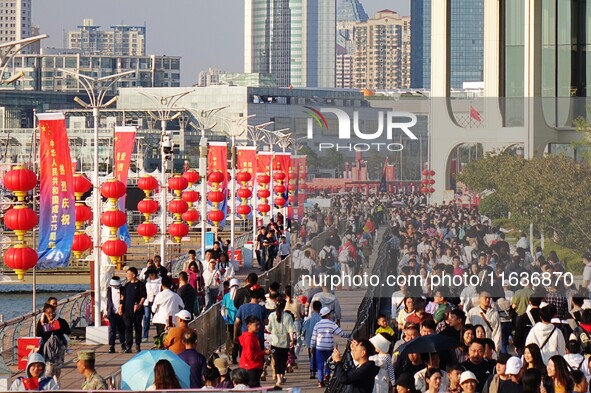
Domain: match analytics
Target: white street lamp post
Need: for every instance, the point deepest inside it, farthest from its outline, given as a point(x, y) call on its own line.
point(205, 120)
point(165, 106)
point(96, 89)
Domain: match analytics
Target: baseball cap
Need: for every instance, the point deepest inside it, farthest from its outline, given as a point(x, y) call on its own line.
point(221, 364)
point(184, 315)
point(467, 376)
point(86, 355)
point(324, 311)
point(514, 365)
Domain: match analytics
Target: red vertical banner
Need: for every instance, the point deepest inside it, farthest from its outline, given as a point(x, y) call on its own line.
point(246, 161)
point(302, 187)
point(124, 142)
point(282, 162)
point(264, 162)
point(56, 200)
point(217, 160)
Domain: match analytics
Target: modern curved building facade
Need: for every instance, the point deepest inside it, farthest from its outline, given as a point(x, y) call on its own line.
point(536, 72)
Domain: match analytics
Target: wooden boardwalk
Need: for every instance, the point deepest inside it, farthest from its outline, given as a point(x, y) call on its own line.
point(108, 364)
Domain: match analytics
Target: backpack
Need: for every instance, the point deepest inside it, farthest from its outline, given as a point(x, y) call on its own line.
point(583, 338)
point(327, 261)
point(344, 255)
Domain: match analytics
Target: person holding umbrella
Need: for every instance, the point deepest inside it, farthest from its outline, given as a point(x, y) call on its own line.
point(164, 376)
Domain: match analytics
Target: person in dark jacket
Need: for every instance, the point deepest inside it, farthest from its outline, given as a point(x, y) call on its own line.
point(361, 378)
point(132, 304)
point(116, 325)
point(53, 343)
point(525, 322)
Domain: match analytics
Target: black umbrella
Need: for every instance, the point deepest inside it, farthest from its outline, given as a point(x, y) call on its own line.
point(429, 344)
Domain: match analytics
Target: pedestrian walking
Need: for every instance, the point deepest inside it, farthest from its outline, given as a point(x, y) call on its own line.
point(114, 311)
point(53, 344)
point(322, 342)
point(133, 300)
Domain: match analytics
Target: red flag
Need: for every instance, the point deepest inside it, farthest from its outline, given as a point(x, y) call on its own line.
point(474, 114)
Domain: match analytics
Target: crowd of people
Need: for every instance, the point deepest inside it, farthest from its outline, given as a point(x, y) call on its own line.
point(503, 332)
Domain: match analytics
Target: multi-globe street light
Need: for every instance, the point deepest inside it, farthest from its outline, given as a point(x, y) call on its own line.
point(96, 90)
point(165, 106)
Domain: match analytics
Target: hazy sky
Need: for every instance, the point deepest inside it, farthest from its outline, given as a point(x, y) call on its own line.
point(205, 33)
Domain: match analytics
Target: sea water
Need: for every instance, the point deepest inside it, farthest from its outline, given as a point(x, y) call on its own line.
point(17, 299)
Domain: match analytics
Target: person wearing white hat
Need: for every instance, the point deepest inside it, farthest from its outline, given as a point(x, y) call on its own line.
point(174, 337)
point(468, 382)
point(513, 370)
point(228, 311)
point(383, 360)
point(116, 325)
point(323, 342)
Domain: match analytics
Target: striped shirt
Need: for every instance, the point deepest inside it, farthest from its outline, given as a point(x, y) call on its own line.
point(322, 335)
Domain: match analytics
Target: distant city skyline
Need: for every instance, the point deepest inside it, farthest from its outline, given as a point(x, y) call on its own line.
point(191, 30)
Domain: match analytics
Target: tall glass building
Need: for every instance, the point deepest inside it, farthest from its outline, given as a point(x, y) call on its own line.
point(466, 18)
point(295, 40)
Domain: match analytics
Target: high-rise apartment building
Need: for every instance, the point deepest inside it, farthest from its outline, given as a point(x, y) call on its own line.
point(382, 52)
point(349, 12)
point(466, 35)
point(120, 40)
point(15, 20)
point(292, 39)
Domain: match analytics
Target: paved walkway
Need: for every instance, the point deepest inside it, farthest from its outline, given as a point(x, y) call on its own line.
point(109, 364)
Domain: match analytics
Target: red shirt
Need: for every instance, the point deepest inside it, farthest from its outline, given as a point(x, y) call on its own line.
point(252, 355)
point(416, 319)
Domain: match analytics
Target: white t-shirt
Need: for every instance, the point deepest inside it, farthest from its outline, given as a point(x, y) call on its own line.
point(166, 304)
point(587, 275)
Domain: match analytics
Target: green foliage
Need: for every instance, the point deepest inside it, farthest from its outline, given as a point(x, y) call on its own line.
point(493, 206)
point(551, 192)
point(571, 258)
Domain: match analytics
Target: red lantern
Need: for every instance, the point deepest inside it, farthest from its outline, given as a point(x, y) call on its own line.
point(431, 181)
point(264, 208)
point(292, 199)
point(243, 210)
point(215, 196)
point(424, 190)
point(425, 172)
point(178, 230)
point(292, 187)
point(177, 183)
point(191, 216)
point(113, 219)
point(431, 173)
point(304, 187)
point(243, 177)
point(80, 244)
point(279, 176)
point(279, 188)
point(147, 184)
point(147, 230)
point(264, 194)
point(244, 193)
point(20, 180)
point(20, 219)
point(431, 190)
point(147, 207)
point(113, 189)
point(114, 249)
point(263, 179)
point(83, 213)
point(190, 196)
point(425, 181)
point(178, 206)
point(191, 176)
point(215, 177)
point(216, 216)
point(280, 201)
point(20, 258)
point(81, 185)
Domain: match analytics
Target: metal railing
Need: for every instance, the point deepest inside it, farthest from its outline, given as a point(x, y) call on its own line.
point(75, 310)
point(367, 313)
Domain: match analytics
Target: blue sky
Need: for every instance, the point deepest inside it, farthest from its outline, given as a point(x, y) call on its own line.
point(205, 33)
